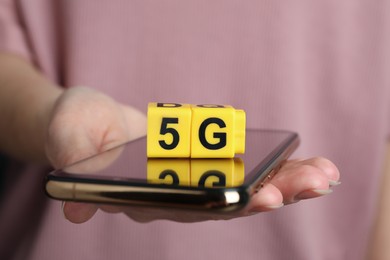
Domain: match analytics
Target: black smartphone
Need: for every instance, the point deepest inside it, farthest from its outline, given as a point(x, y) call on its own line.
point(125, 176)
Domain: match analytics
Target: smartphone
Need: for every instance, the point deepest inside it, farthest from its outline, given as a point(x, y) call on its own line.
point(125, 176)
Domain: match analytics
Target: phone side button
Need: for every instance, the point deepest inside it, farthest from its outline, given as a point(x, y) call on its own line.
point(270, 175)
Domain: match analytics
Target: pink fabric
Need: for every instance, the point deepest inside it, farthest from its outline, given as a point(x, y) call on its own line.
point(12, 37)
point(320, 68)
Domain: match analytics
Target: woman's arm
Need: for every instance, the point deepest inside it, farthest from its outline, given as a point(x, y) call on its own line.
point(42, 122)
point(26, 98)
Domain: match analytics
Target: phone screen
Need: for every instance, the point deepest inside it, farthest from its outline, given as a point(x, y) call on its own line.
point(128, 165)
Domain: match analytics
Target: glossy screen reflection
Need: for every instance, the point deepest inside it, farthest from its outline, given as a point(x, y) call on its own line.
point(207, 173)
point(129, 163)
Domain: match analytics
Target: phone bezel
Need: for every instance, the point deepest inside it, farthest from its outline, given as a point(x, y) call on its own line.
point(97, 189)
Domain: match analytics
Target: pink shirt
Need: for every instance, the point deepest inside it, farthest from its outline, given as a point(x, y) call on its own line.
point(320, 68)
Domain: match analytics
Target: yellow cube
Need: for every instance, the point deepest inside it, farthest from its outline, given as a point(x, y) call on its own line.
point(169, 128)
point(169, 171)
point(217, 131)
point(217, 172)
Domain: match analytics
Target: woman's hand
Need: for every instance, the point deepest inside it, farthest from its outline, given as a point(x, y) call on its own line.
point(296, 180)
point(85, 122)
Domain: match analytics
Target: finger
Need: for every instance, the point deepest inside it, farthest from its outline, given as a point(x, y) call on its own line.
point(68, 146)
point(135, 120)
point(111, 208)
point(147, 214)
point(83, 123)
point(96, 163)
point(78, 212)
point(267, 198)
point(301, 182)
point(325, 165)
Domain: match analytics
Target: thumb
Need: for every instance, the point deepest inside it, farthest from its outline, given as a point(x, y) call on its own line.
point(84, 122)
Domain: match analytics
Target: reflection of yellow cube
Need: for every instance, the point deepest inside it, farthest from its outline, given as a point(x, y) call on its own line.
point(217, 131)
point(217, 172)
point(169, 128)
point(169, 171)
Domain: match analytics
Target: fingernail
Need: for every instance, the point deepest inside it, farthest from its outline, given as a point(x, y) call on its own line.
point(266, 208)
point(275, 206)
point(333, 183)
point(312, 194)
point(62, 210)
